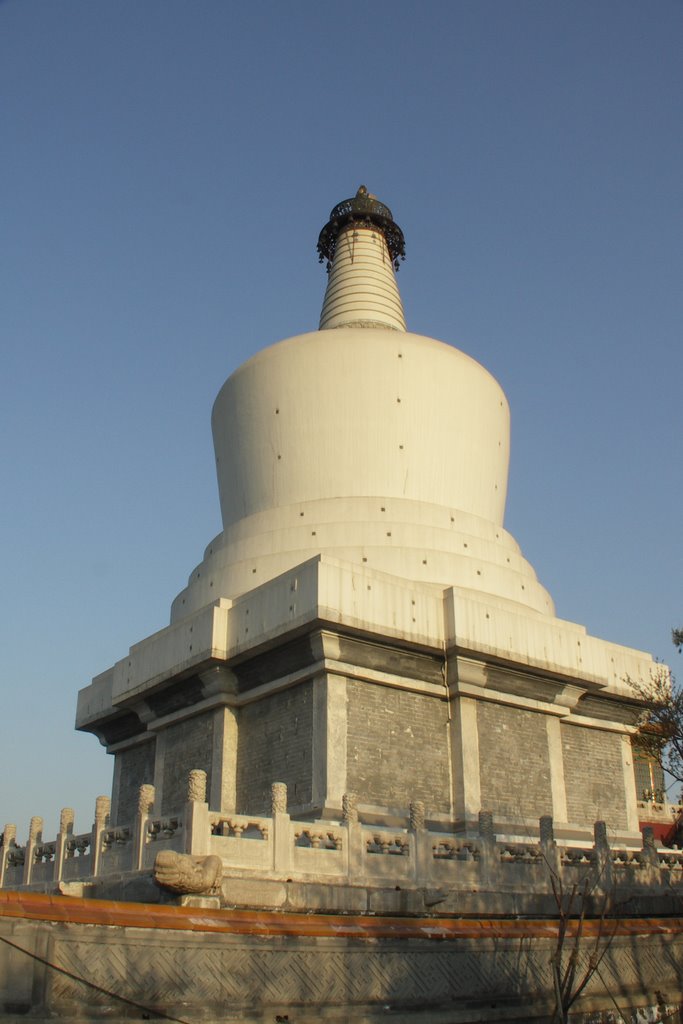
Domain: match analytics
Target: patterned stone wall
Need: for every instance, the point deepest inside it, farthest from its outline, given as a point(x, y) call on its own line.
point(134, 768)
point(514, 761)
point(397, 747)
point(274, 745)
point(322, 973)
point(262, 978)
point(187, 745)
point(594, 776)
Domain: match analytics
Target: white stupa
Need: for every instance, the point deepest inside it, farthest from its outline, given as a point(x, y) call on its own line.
point(364, 622)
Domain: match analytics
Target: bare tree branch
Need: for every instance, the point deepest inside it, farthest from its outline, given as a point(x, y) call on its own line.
point(661, 723)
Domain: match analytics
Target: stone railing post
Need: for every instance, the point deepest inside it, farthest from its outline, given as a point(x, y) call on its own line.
point(549, 851)
point(196, 824)
point(145, 810)
point(66, 827)
point(102, 807)
point(423, 860)
point(282, 833)
point(603, 858)
point(354, 836)
point(9, 842)
point(35, 836)
point(650, 855)
point(487, 844)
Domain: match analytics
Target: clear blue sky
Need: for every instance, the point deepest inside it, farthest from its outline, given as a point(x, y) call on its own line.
point(166, 167)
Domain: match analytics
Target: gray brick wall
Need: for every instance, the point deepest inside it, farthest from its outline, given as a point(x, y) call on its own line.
point(134, 768)
point(188, 745)
point(593, 776)
point(514, 762)
point(397, 747)
point(275, 745)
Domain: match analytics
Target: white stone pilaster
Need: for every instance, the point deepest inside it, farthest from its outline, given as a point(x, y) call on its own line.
point(465, 758)
point(159, 760)
point(116, 790)
point(223, 795)
point(336, 739)
point(329, 740)
point(631, 799)
point(558, 790)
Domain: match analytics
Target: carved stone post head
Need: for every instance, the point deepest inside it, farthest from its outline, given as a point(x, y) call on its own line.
point(146, 799)
point(10, 835)
point(278, 798)
point(196, 786)
point(350, 808)
point(649, 838)
point(35, 830)
point(650, 854)
point(102, 805)
point(66, 821)
point(417, 816)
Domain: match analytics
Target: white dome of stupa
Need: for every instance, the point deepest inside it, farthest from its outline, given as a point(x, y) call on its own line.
point(365, 442)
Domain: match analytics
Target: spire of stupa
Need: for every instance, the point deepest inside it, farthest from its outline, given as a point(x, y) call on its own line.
point(362, 245)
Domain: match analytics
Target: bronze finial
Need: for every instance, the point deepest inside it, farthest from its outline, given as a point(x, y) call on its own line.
point(364, 208)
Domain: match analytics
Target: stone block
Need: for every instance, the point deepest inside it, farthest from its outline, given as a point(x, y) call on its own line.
point(338, 899)
point(200, 902)
point(247, 892)
point(396, 901)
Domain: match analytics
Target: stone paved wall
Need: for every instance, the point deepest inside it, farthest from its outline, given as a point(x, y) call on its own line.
point(514, 761)
point(201, 977)
point(397, 747)
point(187, 745)
point(134, 768)
point(594, 776)
point(274, 745)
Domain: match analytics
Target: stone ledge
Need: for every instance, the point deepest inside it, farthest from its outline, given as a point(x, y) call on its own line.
point(258, 967)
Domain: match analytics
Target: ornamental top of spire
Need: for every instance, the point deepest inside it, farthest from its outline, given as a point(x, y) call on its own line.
point(364, 208)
